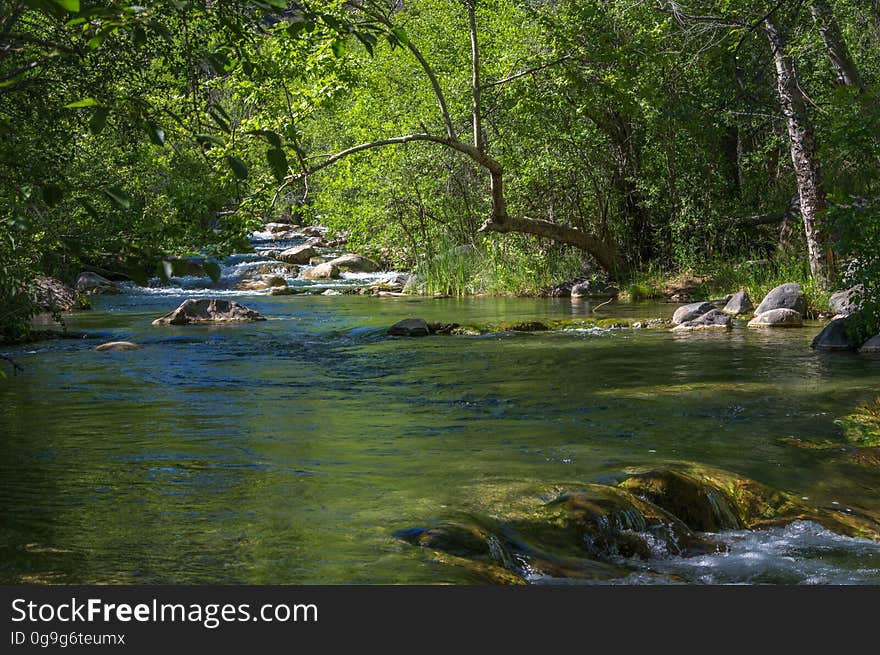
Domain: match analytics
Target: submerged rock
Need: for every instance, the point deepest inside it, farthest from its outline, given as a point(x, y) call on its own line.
point(739, 303)
point(711, 320)
point(689, 312)
point(117, 346)
point(786, 296)
point(410, 327)
point(777, 318)
point(603, 531)
point(352, 263)
point(209, 310)
point(297, 255)
point(834, 337)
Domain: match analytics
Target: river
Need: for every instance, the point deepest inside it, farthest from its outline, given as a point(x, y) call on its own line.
point(290, 451)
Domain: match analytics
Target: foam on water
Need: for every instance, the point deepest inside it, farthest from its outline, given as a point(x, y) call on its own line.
point(802, 552)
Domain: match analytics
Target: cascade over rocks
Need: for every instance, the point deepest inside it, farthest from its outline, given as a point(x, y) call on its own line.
point(297, 255)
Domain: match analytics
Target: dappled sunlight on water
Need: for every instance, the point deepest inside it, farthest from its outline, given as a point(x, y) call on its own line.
point(289, 451)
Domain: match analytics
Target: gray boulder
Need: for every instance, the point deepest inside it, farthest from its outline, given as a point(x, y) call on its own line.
point(410, 327)
point(117, 346)
point(297, 255)
point(325, 271)
point(781, 317)
point(209, 310)
point(711, 320)
point(834, 337)
point(846, 302)
point(52, 295)
point(687, 313)
point(786, 296)
point(352, 263)
point(739, 303)
point(871, 346)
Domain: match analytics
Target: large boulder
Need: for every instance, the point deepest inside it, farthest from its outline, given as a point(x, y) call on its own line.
point(117, 346)
point(297, 255)
point(53, 295)
point(209, 310)
point(325, 271)
point(786, 296)
point(777, 318)
point(834, 337)
point(410, 327)
point(871, 346)
point(739, 303)
point(267, 281)
point(711, 320)
point(687, 313)
point(352, 263)
point(93, 284)
point(846, 302)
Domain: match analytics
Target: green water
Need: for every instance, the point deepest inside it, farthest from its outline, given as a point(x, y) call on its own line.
point(290, 451)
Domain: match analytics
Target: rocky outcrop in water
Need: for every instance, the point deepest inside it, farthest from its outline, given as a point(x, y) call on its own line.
point(786, 296)
point(711, 320)
point(689, 312)
point(352, 263)
point(777, 318)
point(834, 337)
point(297, 255)
point(606, 531)
point(871, 346)
point(325, 271)
point(410, 327)
point(209, 310)
point(739, 303)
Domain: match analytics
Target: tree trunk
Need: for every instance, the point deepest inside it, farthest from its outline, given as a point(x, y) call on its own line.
point(844, 66)
point(803, 151)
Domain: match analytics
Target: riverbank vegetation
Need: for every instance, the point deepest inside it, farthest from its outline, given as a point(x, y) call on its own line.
point(491, 146)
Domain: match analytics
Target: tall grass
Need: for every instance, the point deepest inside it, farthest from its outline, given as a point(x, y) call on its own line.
point(758, 277)
point(494, 267)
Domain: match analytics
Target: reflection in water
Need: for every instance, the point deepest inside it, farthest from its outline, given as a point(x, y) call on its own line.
point(290, 451)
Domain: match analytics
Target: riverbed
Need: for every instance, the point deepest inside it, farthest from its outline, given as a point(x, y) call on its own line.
point(290, 451)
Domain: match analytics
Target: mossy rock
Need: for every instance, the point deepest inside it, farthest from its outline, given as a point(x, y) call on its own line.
point(863, 425)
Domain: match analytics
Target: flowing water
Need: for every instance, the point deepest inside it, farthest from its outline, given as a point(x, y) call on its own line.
point(290, 451)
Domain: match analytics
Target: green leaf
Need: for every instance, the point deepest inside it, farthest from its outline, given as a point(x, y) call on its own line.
point(213, 271)
point(70, 5)
point(52, 194)
point(85, 102)
point(209, 140)
point(138, 36)
point(221, 122)
point(273, 138)
point(277, 162)
point(90, 209)
point(99, 119)
point(118, 197)
point(156, 133)
point(338, 47)
point(238, 167)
